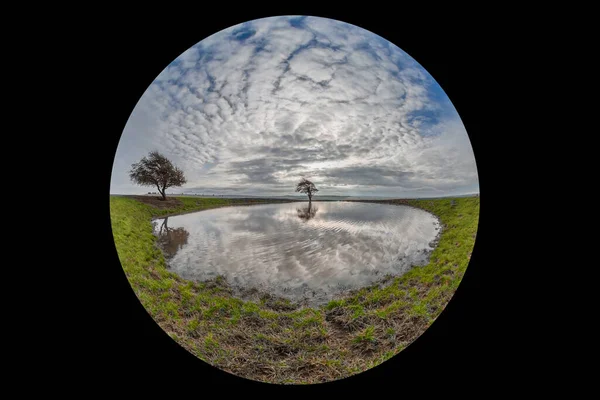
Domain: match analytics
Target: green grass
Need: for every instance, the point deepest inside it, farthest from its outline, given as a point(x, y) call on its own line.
point(272, 339)
point(368, 335)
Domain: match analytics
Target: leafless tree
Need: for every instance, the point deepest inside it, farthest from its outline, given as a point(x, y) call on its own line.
point(156, 170)
point(307, 213)
point(306, 186)
point(171, 239)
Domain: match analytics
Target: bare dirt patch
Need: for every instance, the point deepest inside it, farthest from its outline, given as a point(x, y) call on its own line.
point(158, 202)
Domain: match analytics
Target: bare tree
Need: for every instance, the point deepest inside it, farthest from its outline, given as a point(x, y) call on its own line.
point(171, 239)
point(307, 213)
point(306, 186)
point(157, 170)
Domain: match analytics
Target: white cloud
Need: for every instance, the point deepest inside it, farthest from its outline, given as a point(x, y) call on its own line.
point(257, 105)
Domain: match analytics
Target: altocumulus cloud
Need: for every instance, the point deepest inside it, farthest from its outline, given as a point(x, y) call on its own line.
point(251, 109)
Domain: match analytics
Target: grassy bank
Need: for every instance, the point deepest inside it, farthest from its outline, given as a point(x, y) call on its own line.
point(273, 340)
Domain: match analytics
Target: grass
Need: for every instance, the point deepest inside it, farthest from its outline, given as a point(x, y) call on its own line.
point(274, 340)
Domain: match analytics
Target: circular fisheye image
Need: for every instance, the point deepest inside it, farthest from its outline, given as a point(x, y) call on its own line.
point(294, 200)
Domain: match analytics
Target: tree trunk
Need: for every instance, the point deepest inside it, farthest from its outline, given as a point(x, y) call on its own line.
point(162, 193)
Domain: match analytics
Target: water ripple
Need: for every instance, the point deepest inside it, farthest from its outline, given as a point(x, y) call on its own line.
point(292, 249)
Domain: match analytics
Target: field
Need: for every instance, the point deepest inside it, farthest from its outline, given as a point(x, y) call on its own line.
point(272, 340)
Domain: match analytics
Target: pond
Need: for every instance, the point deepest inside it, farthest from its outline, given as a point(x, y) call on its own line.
point(293, 250)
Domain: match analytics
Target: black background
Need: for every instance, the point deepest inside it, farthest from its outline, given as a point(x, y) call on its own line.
point(122, 347)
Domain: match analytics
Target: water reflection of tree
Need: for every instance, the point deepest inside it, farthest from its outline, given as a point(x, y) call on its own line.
point(307, 213)
point(171, 239)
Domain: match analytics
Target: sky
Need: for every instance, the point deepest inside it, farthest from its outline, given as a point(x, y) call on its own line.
point(256, 107)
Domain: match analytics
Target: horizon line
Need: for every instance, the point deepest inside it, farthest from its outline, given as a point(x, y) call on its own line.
point(291, 195)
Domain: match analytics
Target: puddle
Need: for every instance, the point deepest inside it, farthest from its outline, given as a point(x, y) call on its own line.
point(302, 253)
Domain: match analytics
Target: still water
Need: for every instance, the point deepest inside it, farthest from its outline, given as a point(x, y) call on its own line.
point(296, 251)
